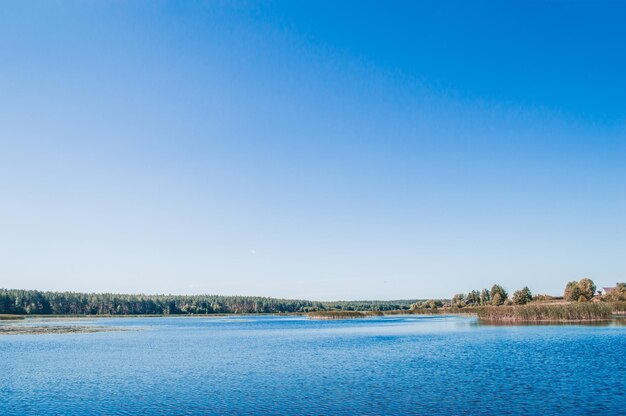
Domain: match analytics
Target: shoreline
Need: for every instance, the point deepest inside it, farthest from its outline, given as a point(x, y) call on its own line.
point(31, 326)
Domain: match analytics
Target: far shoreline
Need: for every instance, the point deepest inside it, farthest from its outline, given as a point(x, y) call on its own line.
point(531, 313)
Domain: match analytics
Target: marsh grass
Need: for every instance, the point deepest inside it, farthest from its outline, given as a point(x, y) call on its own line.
point(619, 308)
point(468, 310)
point(343, 314)
point(10, 317)
point(586, 311)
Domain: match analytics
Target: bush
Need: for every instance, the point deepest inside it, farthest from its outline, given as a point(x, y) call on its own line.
point(571, 293)
point(544, 298)
point(522, 296)
point(498, 295)
point(587, 288)
point(580, 291)
point(427, 304)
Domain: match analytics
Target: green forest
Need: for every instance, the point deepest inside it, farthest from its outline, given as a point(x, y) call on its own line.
point(33, 302)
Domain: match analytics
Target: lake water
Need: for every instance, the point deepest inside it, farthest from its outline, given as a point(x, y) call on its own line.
point(291, 366)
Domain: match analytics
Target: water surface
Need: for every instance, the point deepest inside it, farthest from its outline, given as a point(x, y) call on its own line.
point(290, 365)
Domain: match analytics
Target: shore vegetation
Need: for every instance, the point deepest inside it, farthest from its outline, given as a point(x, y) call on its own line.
point(589, 311)
point(343, 314)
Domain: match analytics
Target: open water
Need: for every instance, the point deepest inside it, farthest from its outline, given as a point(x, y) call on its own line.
point(291, 366)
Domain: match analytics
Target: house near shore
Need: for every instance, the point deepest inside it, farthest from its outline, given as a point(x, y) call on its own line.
point(607, 290)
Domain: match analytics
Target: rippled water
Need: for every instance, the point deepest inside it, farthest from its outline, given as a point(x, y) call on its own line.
point(291, 365)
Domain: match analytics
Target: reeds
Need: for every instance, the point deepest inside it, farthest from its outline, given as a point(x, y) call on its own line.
point(466, 310)
point(343, 314)
point(10, 317)
point(619, 308)
point(585, 311)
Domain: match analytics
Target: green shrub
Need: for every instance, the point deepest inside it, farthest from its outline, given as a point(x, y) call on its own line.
point(522, 296)
point(580, 291)
point(498, 295)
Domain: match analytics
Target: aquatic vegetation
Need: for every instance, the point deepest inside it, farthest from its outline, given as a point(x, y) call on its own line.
point(619, 308)
point(54, 329)
point(343, 314)
point(438, 311)
point(583, 311)
point(10, 317)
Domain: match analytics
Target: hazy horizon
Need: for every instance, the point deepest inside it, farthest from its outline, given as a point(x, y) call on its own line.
point(312, 150)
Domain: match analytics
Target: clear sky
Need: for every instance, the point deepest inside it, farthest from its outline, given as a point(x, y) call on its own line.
point(321, 150)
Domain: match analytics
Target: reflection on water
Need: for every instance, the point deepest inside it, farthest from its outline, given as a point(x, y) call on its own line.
point(435, 365)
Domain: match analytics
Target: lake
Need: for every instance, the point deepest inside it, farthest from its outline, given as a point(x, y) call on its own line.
point(291, 365)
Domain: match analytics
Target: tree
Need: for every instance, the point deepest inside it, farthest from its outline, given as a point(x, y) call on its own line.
point(522, 296)
point(485, 298)
point(427, 304)
point(571, 293)
point(433, 304)
point(472, 298)
point(458, 300)
point(498, 295)
point(587, 288)
point(580, 291)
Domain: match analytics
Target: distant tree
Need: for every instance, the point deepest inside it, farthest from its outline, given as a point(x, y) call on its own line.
point(472, 298)
point(498, 295)
point(522, 296)
point(458, 300)
point(433, 304)
point(572, 292)
point(497, 299)
point(580, 291)
point(485, 298)
point(587, 288)
point(543, 298)
point(427, 304)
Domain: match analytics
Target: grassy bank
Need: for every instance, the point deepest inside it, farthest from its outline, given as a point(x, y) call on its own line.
point(586, 311)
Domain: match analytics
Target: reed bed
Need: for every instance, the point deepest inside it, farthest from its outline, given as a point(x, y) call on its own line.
point(10, 317)
point(619, 308)
point(586, 311)
point(343, 314)
point(434, 311)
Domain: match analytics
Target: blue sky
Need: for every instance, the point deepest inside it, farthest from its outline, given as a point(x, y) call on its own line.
point(321, 150)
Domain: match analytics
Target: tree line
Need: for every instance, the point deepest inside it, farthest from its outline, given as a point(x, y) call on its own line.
point(15, 301)
point(582, 291)
point(496, 296)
